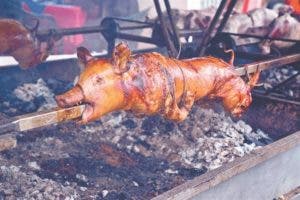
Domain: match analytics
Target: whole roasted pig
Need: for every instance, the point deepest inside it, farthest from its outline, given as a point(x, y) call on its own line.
point(285, 26)
point(258, 22)
point(151, 83)
point(19, 42)
point(250, 23)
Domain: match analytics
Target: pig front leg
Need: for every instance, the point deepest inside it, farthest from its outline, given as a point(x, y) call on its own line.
point(179, 113)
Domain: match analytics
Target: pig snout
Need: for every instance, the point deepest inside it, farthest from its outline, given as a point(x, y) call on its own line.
point(70, 98)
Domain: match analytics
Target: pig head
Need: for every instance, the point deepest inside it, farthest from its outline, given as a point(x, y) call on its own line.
point(100, 85)
point(20, 42)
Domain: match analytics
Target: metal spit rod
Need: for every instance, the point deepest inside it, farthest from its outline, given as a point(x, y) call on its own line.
point(262, 37)
point(40, 119)
point(43, 35)
point(58, 115)
point(267, 64)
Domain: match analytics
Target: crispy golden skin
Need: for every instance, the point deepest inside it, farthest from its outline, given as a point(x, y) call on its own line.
point(151, 83)
point(19, 42)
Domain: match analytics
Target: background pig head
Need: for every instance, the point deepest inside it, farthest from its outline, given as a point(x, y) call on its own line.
point(100, 84)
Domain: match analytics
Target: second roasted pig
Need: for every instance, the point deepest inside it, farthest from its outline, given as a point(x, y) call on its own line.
point(19, 42)
point(285, 26)
point(151, 83)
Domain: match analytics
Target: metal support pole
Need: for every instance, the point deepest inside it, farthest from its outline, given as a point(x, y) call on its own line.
point(226, 15)
point(170, 45)
point(173, 26)
point(210, 29)
point(109, 32)
point(110, 47)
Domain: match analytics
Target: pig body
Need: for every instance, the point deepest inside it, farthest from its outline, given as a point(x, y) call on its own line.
point(250, 23)
point(153, 84)
point(238, 23)
point(191, 19)
point(262, 16)
point(276, 22)
point(286, 27)
point(17, 41)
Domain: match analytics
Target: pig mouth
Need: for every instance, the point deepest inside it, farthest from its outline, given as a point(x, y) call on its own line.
point(87, 113)
point(75, 97)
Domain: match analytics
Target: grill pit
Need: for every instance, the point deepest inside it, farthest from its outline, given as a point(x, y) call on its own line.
point(122, 156)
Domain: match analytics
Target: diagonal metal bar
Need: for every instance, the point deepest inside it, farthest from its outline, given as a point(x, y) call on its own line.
point(170, 45)
point(208, 32)
point(275, 98)
point(173, 26)
point(282, 83)
point(227, 15)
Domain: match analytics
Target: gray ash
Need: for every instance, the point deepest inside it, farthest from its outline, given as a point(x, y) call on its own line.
point(31, 96)
point(271, 78)
point(205, 140)
point(30, 92)
point(27, 185)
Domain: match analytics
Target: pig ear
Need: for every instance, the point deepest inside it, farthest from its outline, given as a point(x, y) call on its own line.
point(84, 55)
point(120, 58)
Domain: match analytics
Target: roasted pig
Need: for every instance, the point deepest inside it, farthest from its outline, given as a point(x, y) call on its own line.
point(151, 83)
point(20, 42)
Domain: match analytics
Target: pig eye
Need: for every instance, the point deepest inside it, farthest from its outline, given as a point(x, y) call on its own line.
point(243, 107)
point(99, 80)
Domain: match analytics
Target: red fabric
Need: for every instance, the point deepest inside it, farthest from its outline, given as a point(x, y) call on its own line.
point(26, 7)
point(68, 17)
point(295, 4)
point(250, 5)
